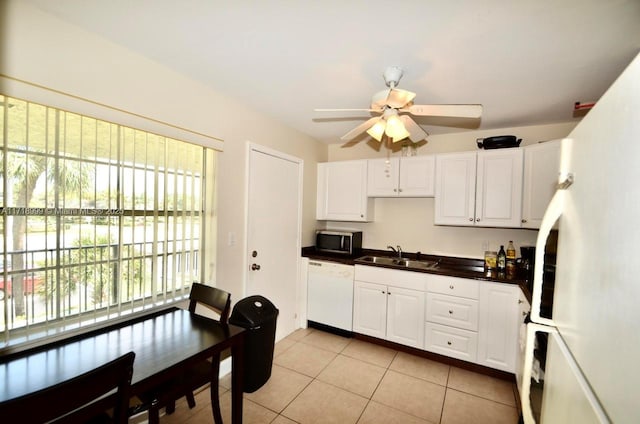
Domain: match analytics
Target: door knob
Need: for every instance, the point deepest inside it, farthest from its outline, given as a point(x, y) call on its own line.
point(255, 267)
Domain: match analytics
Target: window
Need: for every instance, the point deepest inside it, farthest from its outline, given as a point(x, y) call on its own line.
point(97, 219)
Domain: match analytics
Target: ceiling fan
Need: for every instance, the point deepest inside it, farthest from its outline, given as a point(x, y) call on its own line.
point(392, 103)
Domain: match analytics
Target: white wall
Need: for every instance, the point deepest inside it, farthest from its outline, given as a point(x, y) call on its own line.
point(40, 49)
point(409, 222)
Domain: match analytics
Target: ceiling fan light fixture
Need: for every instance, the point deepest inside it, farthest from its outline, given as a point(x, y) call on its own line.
point(389, 103)
point(395, 129)
point(377, 130)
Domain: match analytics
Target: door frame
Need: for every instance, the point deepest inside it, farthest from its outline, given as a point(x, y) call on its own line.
point(300, 288)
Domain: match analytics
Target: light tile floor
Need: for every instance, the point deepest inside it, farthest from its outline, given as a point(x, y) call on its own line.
point(318, 377)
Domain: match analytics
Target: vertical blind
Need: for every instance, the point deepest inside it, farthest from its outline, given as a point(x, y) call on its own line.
point(97, 219)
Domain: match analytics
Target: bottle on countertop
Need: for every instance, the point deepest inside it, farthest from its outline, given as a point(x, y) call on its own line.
point(511, 259)
point(511, 251)
point(502, 259)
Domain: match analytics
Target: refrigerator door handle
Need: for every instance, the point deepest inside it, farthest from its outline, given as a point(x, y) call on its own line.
point(551, 215)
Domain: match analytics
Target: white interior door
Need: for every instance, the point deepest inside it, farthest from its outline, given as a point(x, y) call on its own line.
point(273, 232)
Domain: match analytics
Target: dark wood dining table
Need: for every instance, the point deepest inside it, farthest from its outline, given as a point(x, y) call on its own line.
point(165, 343)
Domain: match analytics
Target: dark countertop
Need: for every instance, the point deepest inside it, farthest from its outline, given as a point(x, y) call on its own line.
point(448, 265)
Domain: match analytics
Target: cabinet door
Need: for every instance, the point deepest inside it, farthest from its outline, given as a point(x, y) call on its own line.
point(499, 188)
point(541, 167)
point(405, 317)
point(342, 191)
point(370, 309)
point(523, 309)
point(383, 177)
point(417, 176)
point(498, 333)
point(455, 188)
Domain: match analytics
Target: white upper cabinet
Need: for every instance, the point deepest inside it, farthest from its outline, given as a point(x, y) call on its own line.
point(499, 188)
point(383, 177)
point(342, 192)
point(455, 189)
point(401, 177)
point(479, 188)
point(541, 167)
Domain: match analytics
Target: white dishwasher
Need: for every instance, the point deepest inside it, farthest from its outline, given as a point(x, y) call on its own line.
point(330, 294)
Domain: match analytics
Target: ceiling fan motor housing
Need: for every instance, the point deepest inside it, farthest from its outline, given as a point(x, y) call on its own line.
point(392, 76)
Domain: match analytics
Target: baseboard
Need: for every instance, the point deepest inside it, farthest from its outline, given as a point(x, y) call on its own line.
point(225, 367)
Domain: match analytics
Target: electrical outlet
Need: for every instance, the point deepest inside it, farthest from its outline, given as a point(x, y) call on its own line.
point(232, 239)
point(485, 245)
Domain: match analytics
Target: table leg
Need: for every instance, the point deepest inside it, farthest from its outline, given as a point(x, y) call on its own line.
point(215, 392)
point(237, 371)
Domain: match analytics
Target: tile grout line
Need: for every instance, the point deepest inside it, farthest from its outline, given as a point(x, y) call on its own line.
point(444, 399)
point(377, 385)
point(312, 378)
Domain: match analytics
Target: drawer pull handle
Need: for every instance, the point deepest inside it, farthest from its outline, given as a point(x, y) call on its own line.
point(450, 312)
point(451, 287)
point(449, 343)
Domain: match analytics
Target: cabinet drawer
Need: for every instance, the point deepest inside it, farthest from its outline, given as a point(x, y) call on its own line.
point(457, 312)
point(461, 287)
point(453, 342)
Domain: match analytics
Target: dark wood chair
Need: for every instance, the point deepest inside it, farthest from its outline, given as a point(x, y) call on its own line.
point(219, 301)
point(75, 400)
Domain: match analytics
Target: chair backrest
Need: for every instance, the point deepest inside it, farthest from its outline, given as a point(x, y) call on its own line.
point(72, 401)
point(211, 297)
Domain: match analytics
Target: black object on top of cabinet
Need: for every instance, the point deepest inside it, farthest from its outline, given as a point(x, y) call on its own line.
point(498, 142)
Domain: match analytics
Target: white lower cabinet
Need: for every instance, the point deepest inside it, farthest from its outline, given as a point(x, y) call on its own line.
point(389, 304)
point(451, 341)
point(370, 309)
point(472, 320)
point(451, 326)
point(499, 325)
point(452, 311)
point(405, 315)
point(523, 309)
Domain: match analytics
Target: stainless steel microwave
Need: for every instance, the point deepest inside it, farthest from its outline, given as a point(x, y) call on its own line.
point(339, 241)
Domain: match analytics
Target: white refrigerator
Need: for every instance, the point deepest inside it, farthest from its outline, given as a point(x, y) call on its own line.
point(593, 359)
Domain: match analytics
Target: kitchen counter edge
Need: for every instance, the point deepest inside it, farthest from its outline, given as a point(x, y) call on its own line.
point(448, 265)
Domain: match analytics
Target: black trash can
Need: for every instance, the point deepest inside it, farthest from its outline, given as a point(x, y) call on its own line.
point(258, 315)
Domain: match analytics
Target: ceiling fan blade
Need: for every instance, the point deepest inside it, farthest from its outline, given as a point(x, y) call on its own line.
point(461, 111)
point(379, 100)
point(399, 98)
point(394, 97)
point(360, 128)
point(415, 132)
point(346, 110)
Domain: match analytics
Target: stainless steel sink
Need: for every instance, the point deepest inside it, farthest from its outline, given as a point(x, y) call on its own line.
point(399, 262)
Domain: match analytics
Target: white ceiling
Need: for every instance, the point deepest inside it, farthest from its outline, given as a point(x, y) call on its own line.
point(526, 61)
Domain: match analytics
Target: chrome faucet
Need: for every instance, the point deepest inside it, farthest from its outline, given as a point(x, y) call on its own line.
point(398, 251)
